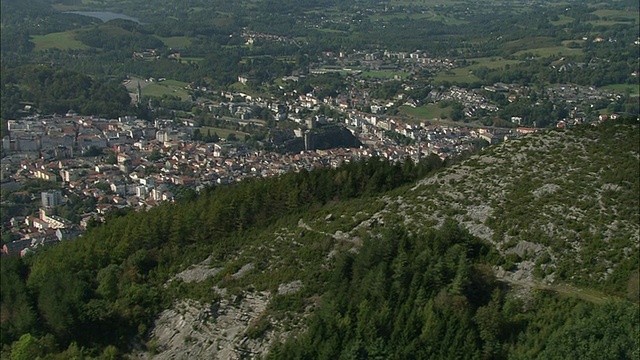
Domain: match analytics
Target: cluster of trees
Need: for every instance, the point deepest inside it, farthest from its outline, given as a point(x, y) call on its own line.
point(429, 295)
point(120, 35)
point(407, 296)
point(207, 138)
point(53, 90)
point(432, 295)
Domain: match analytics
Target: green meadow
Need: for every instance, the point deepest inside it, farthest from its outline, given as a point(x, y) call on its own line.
point(457, 75)
point(465, 74)
point(426, 112)
point(634, 89)
point(60, 40)
point(617, 15)
point(562, 20)
point(529, 43)
point(550, 51)
point(166, 87)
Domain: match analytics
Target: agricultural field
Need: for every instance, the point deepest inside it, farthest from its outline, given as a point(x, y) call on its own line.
point(60, 40)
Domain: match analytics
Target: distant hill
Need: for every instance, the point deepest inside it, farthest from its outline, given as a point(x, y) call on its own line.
point(526, 250)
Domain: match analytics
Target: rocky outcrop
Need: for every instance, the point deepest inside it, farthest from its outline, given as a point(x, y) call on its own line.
point(192, 330)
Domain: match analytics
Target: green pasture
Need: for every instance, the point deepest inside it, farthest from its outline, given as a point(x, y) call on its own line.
point(529, 43)
point(60, 40)
point(577, 41)
point(389, 16)
point(551, 50)
point(609, 22)
point(457, 75)
point(333, 31)
point(465, 74)
point(562, 20)
point(426, 112)
point(448, 20)
point(166, 87)
point(430, 15)
point(222, 21)
point(175, 41)
point(634, 89)
point(619, 15)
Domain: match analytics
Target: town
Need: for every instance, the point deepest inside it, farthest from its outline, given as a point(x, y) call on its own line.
point(134, 163)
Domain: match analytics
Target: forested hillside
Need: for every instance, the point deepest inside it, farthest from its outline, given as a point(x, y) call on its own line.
point(106, 288)
point(58, 91)
point(357, 262)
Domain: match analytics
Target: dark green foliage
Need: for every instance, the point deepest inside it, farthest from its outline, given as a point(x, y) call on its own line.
point(121, 36)
point(17, 308)
point(112, 277)
point(605, 332)
point(428, 296)
point(58, 91)
point(409, 297)
point(553, 327)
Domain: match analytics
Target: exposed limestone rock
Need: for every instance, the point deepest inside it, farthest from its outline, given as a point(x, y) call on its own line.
point(243, 270)
point(546, 189)
point(290, 288)
point(525, 247)
point(198, 272)
point(191, 330)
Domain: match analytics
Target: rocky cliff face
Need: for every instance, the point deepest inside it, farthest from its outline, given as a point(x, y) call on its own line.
point(192, 330)
point(232, 327)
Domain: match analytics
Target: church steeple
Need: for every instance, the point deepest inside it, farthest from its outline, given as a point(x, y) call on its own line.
point(139, 93)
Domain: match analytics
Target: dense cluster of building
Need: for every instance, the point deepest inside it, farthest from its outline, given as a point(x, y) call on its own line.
point(147, 162)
